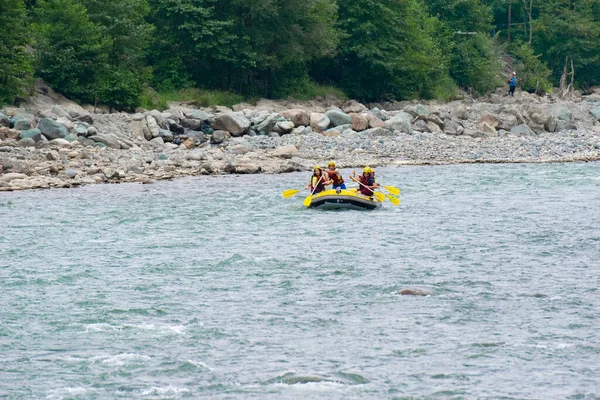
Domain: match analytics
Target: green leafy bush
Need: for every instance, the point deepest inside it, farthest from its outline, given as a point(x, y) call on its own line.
point(533, 74)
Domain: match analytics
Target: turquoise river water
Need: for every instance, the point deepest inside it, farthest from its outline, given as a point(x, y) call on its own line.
point(217, 287)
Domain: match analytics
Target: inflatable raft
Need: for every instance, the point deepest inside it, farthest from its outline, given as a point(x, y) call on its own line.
point(345, 199)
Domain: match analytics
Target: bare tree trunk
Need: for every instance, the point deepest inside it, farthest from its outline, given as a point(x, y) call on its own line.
point(529, 12)
point(509, 15)
point(567, 90)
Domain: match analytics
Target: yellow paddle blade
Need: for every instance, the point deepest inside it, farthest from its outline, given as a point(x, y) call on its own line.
point(289, 193)
point(307, 201)
point(379, 196)
point(393, 190)
point(394, 200)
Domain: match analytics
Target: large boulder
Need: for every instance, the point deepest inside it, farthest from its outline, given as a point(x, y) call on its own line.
point(561, 112)
point(285, 151)
point(381, 114)
point(268, 124)
point(109, 140)
point(521, 130)
point(400, 122)
point(490, 120)
point(418, 111)
point(219, 136)
point(23, 121)
point(375, 121)
point(153, 127)
point(596, 112)
point(198, 114)
point(52, 129)
point(297, 116)
point(231, 122)
point(319, 122)
point(353, 106)
point(338, 117)
point(34, 134)
point(360, 122)
point(284, 127)
point(5, 121)
point(461, 112)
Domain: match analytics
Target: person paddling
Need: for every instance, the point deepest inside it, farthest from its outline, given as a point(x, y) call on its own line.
point(318, 181)
point(366, 182)
point(335, 177)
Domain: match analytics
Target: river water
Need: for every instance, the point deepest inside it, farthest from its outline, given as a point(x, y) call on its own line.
point(217, 287)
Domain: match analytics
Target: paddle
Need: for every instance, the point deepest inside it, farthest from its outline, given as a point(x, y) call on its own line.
point(394, 200)
point(308, 200)
point(289, 193)
point(393, 190)
point(378, 195)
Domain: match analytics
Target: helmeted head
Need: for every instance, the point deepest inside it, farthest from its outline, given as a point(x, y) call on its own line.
point(366, 170)
point(331, 164)
point(317, 168)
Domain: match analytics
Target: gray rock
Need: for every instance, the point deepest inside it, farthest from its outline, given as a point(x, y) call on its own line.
point(382, 115)
point(5, 121)
point(353, 106)
point(26, 142)
point(198, 137)
point(218, 137)
point(35, 134)
point(378, 132)
point(461, 112)
point(52, 129)
point(70, 137)
point(418, 111)
point(285, 151)
point(521, 130)
point(23, 121)
point(81, 130)
point(85, 141)
point(166, 135)
point(92, 131)
point(267, 124)
point(297, 116)
point(302, 130)
point(284, 127)
point(319, 122)
point(152, 126)
point(338, 117)
point(400, 122)
point(71, 173)
point(562, 126)
point(560, 112)
point(596, 112)
point(109, 140)
point(58, 110)
point(231, 122)
point(198, 114)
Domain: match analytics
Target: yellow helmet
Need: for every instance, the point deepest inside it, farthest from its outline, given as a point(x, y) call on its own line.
point(367, 170)
point(330, 163)
point(316, 167)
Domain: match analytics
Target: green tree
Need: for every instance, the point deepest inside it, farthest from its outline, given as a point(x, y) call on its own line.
point(123, 22)
point(258, 48)
point(464, 36)
point(387, 50)
point(72, 52)
point(15, 68)
point(570, 29)
point(534, 75)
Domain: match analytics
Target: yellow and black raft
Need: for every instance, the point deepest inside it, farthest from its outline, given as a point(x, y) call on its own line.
point(344, 199)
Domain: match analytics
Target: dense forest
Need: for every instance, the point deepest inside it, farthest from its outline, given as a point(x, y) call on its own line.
point(114, 51)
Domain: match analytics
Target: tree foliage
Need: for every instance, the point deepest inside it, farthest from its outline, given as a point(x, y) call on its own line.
point(15, 68)
point(110, 50)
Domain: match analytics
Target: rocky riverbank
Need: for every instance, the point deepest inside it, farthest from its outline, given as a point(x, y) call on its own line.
point(50, 141)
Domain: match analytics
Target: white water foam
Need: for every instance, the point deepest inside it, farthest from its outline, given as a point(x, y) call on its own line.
point(122, 359)
point(167, 390)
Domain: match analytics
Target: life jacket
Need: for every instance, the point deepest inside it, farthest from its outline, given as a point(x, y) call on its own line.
point(365, 182)
point(320, 186)
point(335, 177)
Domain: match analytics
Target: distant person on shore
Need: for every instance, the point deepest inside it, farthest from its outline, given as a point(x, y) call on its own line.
point(335, 177)
point(318, 181)
point(512, 84)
